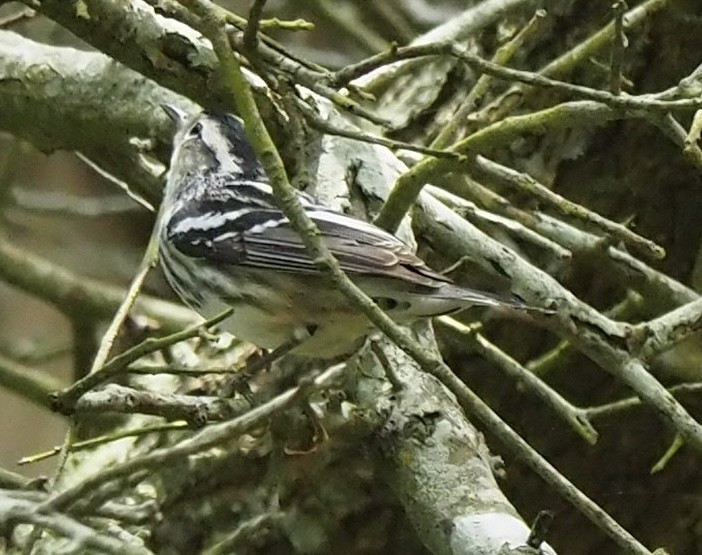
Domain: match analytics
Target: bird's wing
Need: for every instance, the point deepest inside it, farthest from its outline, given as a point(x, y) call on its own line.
point(225, 227)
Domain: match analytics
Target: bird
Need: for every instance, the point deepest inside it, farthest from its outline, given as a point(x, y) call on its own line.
point(225, 243)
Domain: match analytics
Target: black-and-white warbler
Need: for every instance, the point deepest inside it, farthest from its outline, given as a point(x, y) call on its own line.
point(225, 243)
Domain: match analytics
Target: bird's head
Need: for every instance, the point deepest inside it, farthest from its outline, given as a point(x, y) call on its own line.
point(211, 142)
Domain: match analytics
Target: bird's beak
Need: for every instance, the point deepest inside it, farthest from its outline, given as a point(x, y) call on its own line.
point(176, 115)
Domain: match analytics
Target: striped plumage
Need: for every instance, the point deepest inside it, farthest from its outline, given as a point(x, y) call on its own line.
point(224, 242)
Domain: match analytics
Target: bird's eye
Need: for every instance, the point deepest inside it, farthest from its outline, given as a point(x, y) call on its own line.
point(195, 130)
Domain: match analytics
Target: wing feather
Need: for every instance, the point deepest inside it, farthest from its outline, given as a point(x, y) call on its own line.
point(224, 230)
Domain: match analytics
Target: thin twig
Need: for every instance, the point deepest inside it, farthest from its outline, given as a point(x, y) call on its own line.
point(662, 462)
point(612, 409)
point(104, 439)
point(123, 185)
point(540, 529)
point(149, 369)
point(619, 44)
point(691, 143)
point(121, 314)
point(65, 400)
point(252, 25)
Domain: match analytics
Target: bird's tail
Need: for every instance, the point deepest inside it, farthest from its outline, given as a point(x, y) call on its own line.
point(474, 297)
